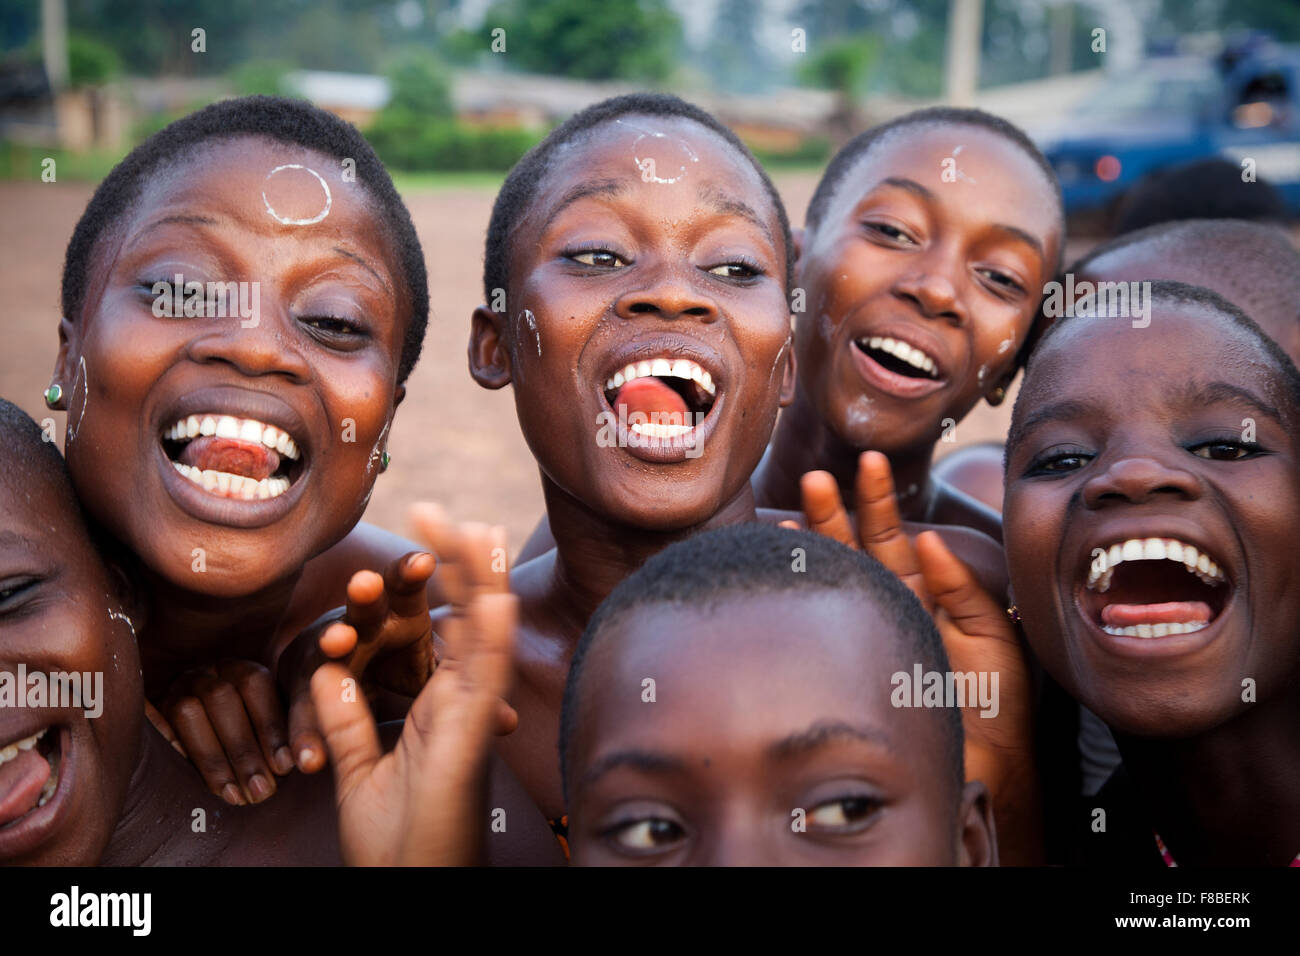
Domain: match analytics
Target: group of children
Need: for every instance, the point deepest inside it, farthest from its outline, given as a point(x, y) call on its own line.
point(708, 651)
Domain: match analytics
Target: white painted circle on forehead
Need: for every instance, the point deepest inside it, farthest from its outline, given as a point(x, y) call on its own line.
point(329, 200)
point(646, 166)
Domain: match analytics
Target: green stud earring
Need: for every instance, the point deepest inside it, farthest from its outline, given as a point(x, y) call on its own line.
point(53, 394)
point(384, 460)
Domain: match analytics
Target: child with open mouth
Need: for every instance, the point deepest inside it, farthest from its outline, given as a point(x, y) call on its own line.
point(1152, 494)
point(243, 299)
point(922, 262)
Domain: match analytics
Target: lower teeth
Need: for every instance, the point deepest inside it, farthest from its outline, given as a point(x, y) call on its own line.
point(1154, 630)
point(51, 782)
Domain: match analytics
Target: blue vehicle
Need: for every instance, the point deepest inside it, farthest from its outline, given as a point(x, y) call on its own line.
point(1243, 105)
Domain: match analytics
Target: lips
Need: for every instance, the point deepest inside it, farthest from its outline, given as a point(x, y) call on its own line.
point(1153, 588)
point(664, 397)
point(34, 777)
point(899, 361)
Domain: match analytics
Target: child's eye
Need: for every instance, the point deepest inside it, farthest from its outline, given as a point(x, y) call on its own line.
point(653, 833)
point(890, 232)
point(332, 325)
point(739, 269)
point(1226, 450)
point(13, 589)
point(1001, 279)
point(601, 258)
point(843, 813)
point(1058, 462)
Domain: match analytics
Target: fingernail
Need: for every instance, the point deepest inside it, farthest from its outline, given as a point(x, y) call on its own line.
point(230, 793)
point(283, 760)
point(305, 756)
point(260, 787)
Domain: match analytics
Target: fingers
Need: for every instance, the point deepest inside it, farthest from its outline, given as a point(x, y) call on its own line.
point(367, 604)
point(229, 719)
point(471, 557)
point(350, 735)
point(405, 581)
point(304, 730)
point(195, 731)
point(261, 700)
point(880, 526)
point(954, 589)
point(160, 724)
point(339, 639)
point(824, 508)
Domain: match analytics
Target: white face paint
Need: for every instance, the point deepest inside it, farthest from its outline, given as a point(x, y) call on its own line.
point(529, 318)
point(983, 373)
point(286, 220)
point(377, 453)
point(961, 177)
point(77, 410)
point(648, 167)
point(859, 413)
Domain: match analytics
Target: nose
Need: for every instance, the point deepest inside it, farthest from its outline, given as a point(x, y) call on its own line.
point(929, 287)
point(668, 293)
point(262, 344)
point(1139, 479)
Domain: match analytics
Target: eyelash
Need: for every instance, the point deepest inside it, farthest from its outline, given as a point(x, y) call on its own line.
point(882, 227)
point(11, 589)
point(612, 833)
point(870, 809)
point(1042, 465)
point(1004, 282)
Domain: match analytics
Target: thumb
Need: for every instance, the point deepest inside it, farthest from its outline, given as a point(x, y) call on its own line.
point(954, 590)
point(351, 737)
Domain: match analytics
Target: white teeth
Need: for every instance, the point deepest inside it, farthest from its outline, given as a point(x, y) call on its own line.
point(227, 427)
point(250, 431)
point(655, 430)
point(661, 368)
point(901, 350)
point(208, 426)
point(1152, 549)
point(10, 751)
point(192, 427)
point(269, 435)
point(1155, 630)
point(234, 486)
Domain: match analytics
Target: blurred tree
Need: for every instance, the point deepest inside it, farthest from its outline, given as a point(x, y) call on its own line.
point(90, 62)
point(736, 59)
point(419, 85)
point(842, 66)
point(261, 76)
point(616, 39)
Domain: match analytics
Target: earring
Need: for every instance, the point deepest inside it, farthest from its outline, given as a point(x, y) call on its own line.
point(384, 460)
point(1013, 613)
point(53, 394)
point(997, 396)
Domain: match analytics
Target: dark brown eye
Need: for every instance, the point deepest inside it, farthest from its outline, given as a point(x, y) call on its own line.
point(1224, 450)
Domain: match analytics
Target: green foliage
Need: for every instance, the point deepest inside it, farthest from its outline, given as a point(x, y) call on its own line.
point(842, 65)
point(812, 151)
point(260, 76)
point(614, 39)
point(409, 142)
point(90, 62)
point(420, 85)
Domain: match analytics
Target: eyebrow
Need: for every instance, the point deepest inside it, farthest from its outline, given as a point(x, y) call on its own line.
point(1217, 393)
point(825, 732)
point(717, 200)
point(12, 539)
point(602, 188)
point(365, 265)
point(1015, 232)
point(179, 219)
point(643, 761)
point(1067, 410)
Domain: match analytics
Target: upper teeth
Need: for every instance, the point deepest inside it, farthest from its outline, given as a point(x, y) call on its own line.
point(10, 751)
point(912, 356)
point(227, 426)
point(660, 368)
point(1104, 561)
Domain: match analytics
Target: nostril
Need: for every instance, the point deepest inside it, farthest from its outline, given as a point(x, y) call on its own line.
point(641, 307)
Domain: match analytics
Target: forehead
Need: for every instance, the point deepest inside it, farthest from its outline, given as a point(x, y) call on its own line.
point(663, 158)
point(806, 656)
point(980, 166)
point(32, 507)
point(1185, 344)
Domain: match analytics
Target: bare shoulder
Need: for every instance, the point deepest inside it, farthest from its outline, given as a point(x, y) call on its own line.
point(954, 507)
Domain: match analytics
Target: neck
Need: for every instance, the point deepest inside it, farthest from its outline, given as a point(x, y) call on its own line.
point(1230, 796)
point(188, 627)
point(803, 443)
point(593, 553)
point(158, 816)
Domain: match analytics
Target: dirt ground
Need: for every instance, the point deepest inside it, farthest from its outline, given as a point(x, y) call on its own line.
point(452, 441)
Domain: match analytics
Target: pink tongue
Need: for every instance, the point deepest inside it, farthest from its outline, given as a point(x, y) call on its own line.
point(21, 780)
point(1171, 612)
point(251, 459)
point(659, 403)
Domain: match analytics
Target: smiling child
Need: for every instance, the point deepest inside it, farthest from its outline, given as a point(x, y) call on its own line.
point(1152, 494)
point(922, 262)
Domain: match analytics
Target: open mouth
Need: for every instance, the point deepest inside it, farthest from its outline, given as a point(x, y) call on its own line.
point(239, 458)
point(898, 357)
point(29, 774)
point(662, 398)
point(1154, 587)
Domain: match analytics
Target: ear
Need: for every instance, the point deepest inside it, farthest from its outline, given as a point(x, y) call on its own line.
point(65, 363)
point(797, 236)
point(977, 839)
point(489, 359)
point(997, 394)
point(789, 377)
